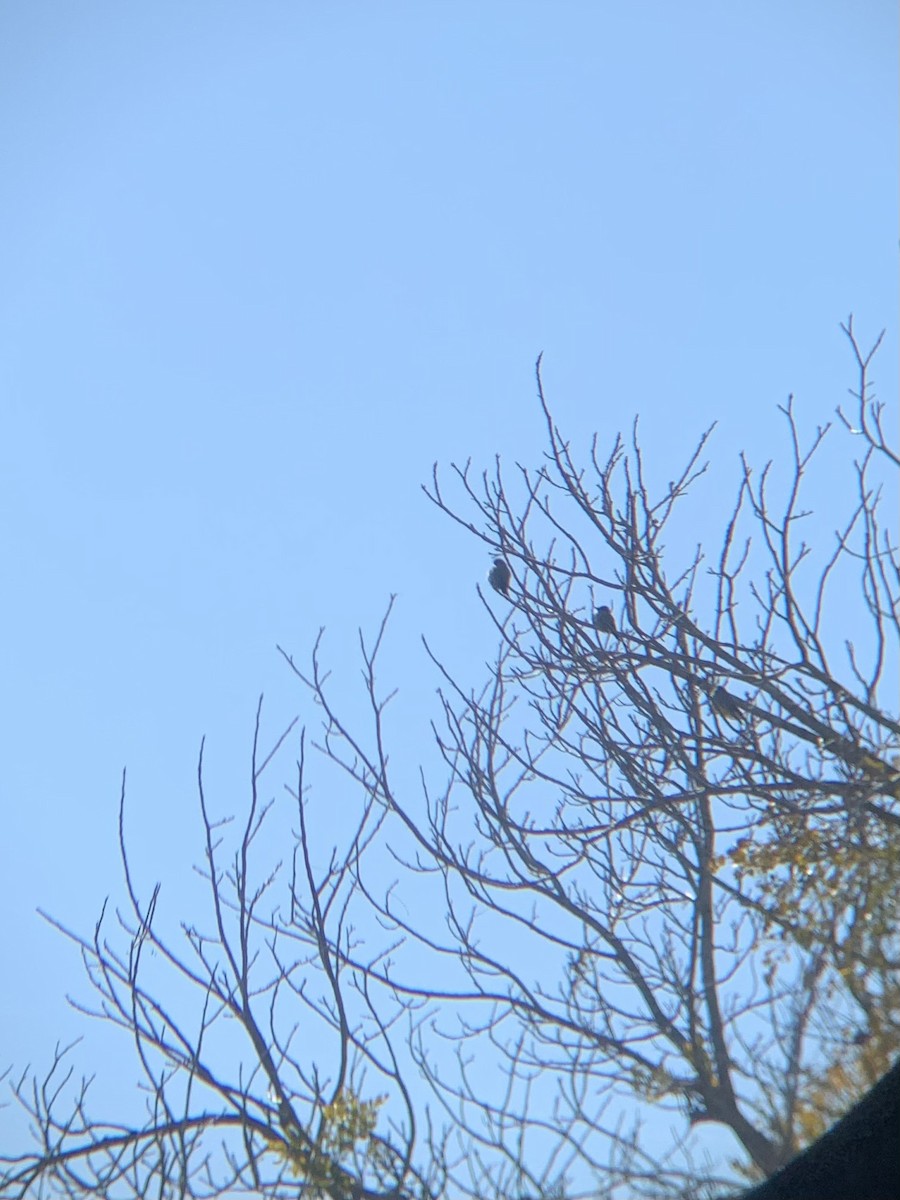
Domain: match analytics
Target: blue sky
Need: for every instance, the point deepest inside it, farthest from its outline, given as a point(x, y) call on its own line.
point(263, 264)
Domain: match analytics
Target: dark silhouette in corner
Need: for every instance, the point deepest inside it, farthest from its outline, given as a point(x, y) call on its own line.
point(857, 1159)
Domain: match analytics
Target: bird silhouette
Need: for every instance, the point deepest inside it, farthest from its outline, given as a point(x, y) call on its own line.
point(726, 704)
point(499, 577)
point(604, 619)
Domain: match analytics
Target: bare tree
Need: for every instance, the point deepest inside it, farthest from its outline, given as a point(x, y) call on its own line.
point(667, 843)
point(656, 876)
point(237, 1102)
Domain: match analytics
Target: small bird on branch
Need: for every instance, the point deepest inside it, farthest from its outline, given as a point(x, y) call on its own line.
point(725, 704)
point(604, 620)
point(499, 577)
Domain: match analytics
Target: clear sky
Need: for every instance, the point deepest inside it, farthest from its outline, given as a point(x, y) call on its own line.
point(263, 263)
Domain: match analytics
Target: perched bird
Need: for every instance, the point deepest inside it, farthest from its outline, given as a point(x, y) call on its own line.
point(723, 702)
point(288, 1120)
point(604, 620)
point(499, 577)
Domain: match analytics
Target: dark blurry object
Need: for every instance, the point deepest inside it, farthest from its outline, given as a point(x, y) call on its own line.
point(500, 576)
point(723, 702)
point(604, 620)
point(857, 1159)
